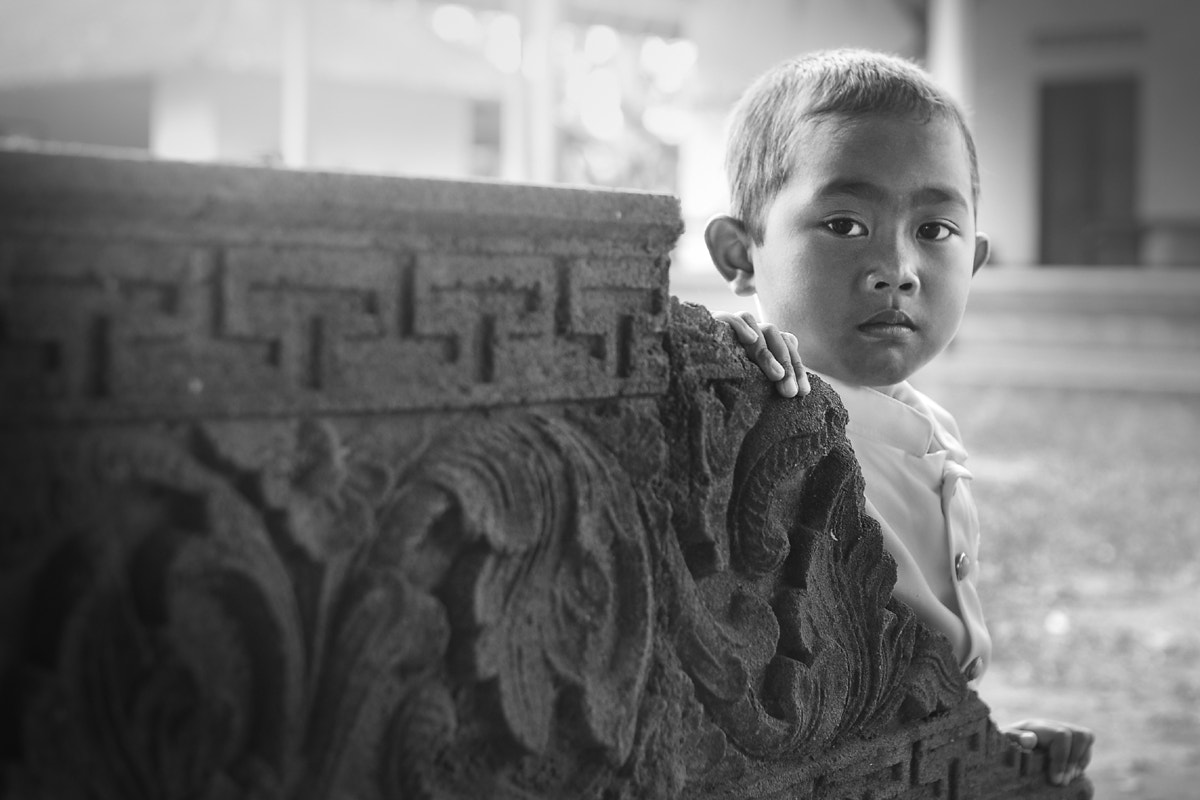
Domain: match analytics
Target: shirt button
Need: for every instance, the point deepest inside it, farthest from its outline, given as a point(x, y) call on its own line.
point(962, 566)
point(974, 669)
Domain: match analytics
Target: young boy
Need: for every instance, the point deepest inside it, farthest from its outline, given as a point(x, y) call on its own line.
point(854, 186)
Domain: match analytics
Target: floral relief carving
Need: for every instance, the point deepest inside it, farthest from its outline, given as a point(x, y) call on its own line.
point(555, 589)
point(179, 653)
point(145, 565)
point(796, 644)
point(271, 609)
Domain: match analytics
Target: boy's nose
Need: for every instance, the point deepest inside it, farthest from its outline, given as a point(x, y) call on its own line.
point(893, 266)
point(898, 278)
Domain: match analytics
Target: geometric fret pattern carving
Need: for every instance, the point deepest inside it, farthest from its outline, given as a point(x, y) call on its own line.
point(104, 326)
point(296, 314)
point(201, 313)
point(306, 502)
point(76, 313)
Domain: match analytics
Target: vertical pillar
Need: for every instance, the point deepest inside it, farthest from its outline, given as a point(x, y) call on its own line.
point(514, 121)
point(950, 46)
point(294, 84)
point(538, 70)
point(529, 137)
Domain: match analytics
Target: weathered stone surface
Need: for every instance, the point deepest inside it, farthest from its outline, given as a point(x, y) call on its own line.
point(330, 486)
point(151, 288)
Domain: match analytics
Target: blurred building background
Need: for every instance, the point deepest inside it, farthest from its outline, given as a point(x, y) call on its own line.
point(1087, 112)
point(1086, 115)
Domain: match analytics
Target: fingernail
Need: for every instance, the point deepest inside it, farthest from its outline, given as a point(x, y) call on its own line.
point(1058, 779)
point(788, 388)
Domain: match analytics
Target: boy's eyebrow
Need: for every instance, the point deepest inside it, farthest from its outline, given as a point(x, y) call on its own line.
point(925, 196)
point(938, 195)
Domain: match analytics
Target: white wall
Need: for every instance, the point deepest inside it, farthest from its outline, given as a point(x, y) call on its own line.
point(1151, 39)
point(359, 127)
point(184, 117)
point(388, 129)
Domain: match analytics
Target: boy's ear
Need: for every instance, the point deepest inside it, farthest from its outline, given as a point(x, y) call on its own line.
point(983, 247)
point(729, 247)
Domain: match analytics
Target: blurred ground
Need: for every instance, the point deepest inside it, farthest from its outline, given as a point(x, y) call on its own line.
point(1084, 433)
point(1091, 572)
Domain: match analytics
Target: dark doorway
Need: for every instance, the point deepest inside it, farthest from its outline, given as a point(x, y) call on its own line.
point(1089, 172)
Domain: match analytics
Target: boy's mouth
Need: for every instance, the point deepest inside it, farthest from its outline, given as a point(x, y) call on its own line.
point(888, 320)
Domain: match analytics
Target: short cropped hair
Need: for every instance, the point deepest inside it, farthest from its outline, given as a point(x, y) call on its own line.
point(767, 124)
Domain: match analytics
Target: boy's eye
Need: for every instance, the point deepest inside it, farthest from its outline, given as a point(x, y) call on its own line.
point(844, 226)
point(935, 231)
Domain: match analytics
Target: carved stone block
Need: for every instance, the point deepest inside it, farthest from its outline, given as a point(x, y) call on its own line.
point(321, 486)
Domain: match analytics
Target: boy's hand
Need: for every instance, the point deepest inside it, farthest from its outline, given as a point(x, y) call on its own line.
point(1069, 747)
point(776, 352)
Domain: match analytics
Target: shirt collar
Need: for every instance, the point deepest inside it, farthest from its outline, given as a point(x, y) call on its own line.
point(894, 415)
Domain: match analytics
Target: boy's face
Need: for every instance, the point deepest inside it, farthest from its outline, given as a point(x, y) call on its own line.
point(869, 249)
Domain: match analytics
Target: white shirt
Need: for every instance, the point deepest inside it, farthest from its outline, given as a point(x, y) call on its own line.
point(919, 490)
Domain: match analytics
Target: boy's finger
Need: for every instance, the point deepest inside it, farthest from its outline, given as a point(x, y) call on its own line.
point(1026, 740)
point(744, 332)
point(1058, 749)
point(777, 344)
point(747, 327)
point(802, 384)
point(752, 337)
point(748, 333)
point(1081, 748)
point(766, 360)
